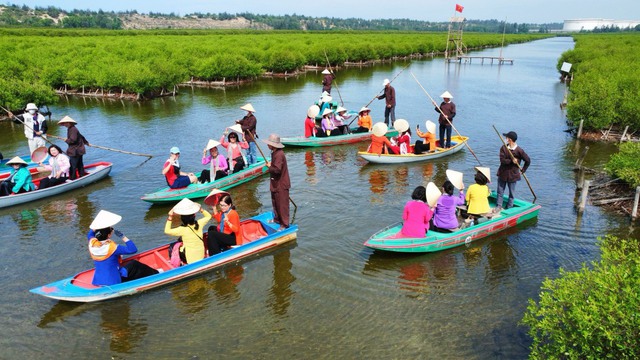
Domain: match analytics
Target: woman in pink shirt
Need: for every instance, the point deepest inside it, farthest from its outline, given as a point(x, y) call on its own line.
point(416, 215)
point(234, 150)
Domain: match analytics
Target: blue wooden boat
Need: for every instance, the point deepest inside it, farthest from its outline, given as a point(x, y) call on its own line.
point(4, 168)
point(195, 191)
point(260, 235)
point(390, 239)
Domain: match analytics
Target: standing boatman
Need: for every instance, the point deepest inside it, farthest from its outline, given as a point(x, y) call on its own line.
point(509, 171)
point(280, 183)
point(389, 96)
point(35, 126)
point(327, 80)
point(248, 124)
point(447, 111)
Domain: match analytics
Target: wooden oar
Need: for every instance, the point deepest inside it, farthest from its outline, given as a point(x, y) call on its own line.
point(334, 76)
point(447, 118)
point(513, 158)
point(295, 207)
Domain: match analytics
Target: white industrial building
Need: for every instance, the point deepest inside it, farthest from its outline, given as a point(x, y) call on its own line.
point(590, 24)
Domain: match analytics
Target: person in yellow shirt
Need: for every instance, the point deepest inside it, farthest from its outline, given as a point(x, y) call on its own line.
point(478, 194)
point(190, 230)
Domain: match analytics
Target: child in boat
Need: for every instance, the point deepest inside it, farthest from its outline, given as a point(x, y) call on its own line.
point(429, 143)
point(364, 120)
point(445, 218)
point(106, 253)
point(234, 150)
point(416, 215)
point(229, 231)
point(379, 142)
point(218, 167)
point(478, 194)
point(190, 230)
point(20, 179)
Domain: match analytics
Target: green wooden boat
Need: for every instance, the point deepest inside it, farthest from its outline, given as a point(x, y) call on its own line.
point(194, 191)
point(390, 239)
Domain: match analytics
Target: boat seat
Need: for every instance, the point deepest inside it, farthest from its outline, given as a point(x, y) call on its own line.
point(162, 263)
point(252, 230)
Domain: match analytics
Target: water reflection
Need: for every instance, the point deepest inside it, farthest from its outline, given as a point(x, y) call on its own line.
point(192, 295)
point(281, 292)
point(61, 211)
point(27, 221)
point(126, 333)
point(62, 310)
point(311, 168)
point(226, 284)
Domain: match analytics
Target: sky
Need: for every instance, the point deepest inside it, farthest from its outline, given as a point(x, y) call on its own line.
point(519, 11)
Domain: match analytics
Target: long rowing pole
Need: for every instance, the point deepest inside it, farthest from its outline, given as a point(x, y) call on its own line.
point(334, 76)
point(447, 118)
point(295, 207)
point(380, 93)
point(513, 158)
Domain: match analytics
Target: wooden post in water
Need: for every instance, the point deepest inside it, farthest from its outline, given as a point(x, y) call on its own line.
point(580, 177)
point(581, 158)
point(583, 195)
point(626, 128)
point(634, 212)
point(580, 129)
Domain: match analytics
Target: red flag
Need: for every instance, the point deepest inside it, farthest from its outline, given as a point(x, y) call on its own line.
point(459, 8)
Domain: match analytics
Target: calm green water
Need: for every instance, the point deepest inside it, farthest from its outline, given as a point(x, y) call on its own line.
point(324, 296)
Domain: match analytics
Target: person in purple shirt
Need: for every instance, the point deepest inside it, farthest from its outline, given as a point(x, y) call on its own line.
point(445, 218)
point(106, 253)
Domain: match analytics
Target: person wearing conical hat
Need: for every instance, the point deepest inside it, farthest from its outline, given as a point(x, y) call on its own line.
point(76, 148)
point(379, 142)
point(444, 217)
point(365, 124)
point(403, 141)
point(218, 167)
point(340, 118)
point(248, 124)
point(280, 182)
point(327, 80)
point(509, 171)
point(35, 126)
point(416, 215)
point(429, 143)
point(389, 96)
point(190, 229)
point(310, 121)
point(328, 127)
point(106, 254)
point(447, 111)
point(19, 181)
point(478, 194)
point(234, 149)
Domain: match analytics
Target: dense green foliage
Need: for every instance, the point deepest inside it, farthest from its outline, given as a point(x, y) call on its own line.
point(625, 164)
point(606, 85)
point(144, 62)
point(593, 313)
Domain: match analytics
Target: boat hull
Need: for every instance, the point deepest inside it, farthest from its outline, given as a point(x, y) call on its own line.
point(195, 191)
point(458, 141)
point(437, 241)
point(301, 141)
point(96, 171)
point(78, 288)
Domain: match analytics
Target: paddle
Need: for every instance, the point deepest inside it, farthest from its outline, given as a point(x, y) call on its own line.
point(380, 93)
point(513, 158)
point(295, 207)
point(447, 118)
point(335, 83)
point(91, 145)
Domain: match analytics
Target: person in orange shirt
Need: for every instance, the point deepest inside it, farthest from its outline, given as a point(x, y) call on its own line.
point(379, 142)
point(429, 137)
point(364, 120)
point(229, 231)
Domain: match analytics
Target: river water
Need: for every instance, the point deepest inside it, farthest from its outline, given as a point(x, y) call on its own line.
point(325, 295)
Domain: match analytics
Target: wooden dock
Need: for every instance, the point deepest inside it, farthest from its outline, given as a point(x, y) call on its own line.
point(469, 59)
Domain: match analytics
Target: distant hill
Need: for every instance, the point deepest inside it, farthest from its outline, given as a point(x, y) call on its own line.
point(23, 16)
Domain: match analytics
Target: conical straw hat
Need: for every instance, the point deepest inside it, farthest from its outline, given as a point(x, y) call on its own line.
point(313, 111)
point(401, 125)
point(214, 197)
point(326, 71)
point(485, 171)
point(433, 194)
point(248, 107)
point(186, 207)
point(67, 119)
point(39, 154)
point(431, 126)
point(456, 178)
point(211, 144)
point(236, 128)
point(447, 95)
point(380, 128)
point(16, 160)
point(105, 219)
point(327, 111)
